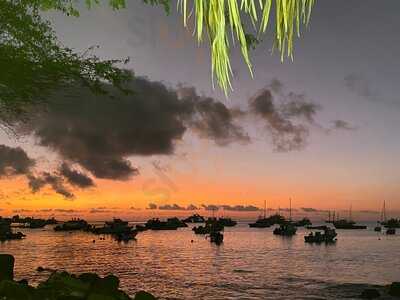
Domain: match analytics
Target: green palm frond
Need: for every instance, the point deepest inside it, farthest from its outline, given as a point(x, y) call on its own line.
point(217, 17)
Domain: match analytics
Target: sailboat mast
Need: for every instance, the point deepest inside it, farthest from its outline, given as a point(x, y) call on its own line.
point(265, 209)
point(290, 209)
point(350, 213)
point(384, 210)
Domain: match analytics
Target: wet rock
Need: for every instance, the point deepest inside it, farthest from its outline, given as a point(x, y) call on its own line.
point(394, 289)
point(23, 281)
point(90, 278)
point(142, 295)
point(64, 284)
point(110, 283)
point(40, 269)
point(69, 297)
point(106, 286)
point(6, 267)
point(15, 291)
point(370, 294)
point(96, 296)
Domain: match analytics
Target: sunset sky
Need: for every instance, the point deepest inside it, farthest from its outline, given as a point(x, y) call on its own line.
point(331, 140)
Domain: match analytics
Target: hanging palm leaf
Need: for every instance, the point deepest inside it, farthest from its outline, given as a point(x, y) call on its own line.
point(216, 17)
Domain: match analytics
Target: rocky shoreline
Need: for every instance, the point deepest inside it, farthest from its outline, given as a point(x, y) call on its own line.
point(62, 286)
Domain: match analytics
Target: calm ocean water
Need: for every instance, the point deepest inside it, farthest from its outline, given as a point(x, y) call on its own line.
point(251, 264)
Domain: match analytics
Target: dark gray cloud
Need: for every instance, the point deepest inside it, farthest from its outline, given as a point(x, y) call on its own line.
point(192, 207)
point(66, 211)
point(44, 210)
point(372, 212)
point(100, 210)
point(134, 208)
point(361, 86)
point(177, 207)
point(342, 125)
point(22, 211)
point(313, 210)
point(210, 207)
point(309, 209)
point(152, 206)
point(171, 207)
point(37, 182)
point(76, 178)
point(213, 207)
point(212, 119)
point(246, 208)
point(100, 132)
point(287, 120)
point(286, 209)
point(14, 161)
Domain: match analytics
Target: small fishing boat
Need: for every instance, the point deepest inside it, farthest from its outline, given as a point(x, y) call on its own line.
point(177, 222)
point(391, 231)
point(348, 224)
point(287, 229)
point(116, 226)
point(210, 226)
point(328, 236)
point(303, 222)
point(392, 223)
point(156, 224)
point(196, 218)
point(263, 221)
point(6, 234)
point(227, 222)
point(73, 225)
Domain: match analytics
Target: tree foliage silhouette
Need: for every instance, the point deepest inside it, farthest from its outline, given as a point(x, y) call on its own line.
point(33, 62)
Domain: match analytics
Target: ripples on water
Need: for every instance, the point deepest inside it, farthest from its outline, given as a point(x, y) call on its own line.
point(251, 263)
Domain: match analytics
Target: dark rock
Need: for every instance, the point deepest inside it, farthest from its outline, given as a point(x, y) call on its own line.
point(63, 284)
point(90, 278)
point(40, 269)
point(96, 296)
point(69, 297)
point(394, 289)
point(111, 282)
point(23, 282)
point(107, 285)
point(6, 267)
point(370, 294)
point(144, 296)
point(15, 291)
